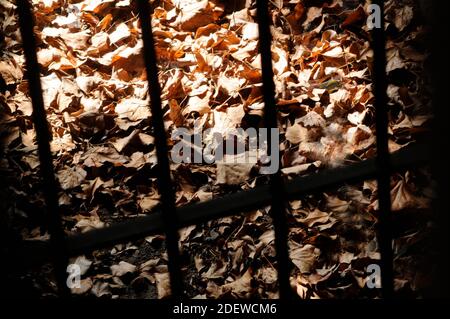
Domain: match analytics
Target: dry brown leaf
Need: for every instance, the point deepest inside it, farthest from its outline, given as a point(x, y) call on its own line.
point(147, 203)
point(162, 285)
point(194, 14)
point(296, 133)
point(394, 60)
point(298, 169)
point(335, 52)
point(250, 31)
point(403, 17)
point(312, 14)
point(100, 289)
point(175, 113)
point(240, 287)
point(121, 32)
point(403, 198)
point(304, 257)
point(215, 271)
point(71, 177)
point(122, 268)
point(85, 286)
point(198, 105)
point(230, 85)
point(88, 224)
point(10, 72)
point(133, 109)
point(314, 217)
point(120, 143)
point(312, 119)
point(355, 17)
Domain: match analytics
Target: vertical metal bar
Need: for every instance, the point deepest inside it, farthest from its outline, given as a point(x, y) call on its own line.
point(276, 182)
point(383, 158)
point(43, 137)
point(164, 181)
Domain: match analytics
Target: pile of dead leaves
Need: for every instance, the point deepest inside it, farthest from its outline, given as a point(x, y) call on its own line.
point(96, 96)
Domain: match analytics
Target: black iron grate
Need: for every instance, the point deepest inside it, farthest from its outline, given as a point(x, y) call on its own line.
point(170, 218)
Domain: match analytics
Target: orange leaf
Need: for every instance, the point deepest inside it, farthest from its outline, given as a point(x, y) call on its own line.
point(106, 22)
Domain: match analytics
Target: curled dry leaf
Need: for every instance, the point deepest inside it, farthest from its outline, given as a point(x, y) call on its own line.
point(85, 286)
point(148, 203)
point(304, 257)
point(71, 177)
point(133, 109)
point(9, 72)
point(86, 224)
point(296, 134)
point(122, 268)
point(101, 289)
point(192, 14)
point(162, 285)
point(240, 287)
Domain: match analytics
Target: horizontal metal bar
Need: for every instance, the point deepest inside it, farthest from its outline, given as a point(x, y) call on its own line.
point(228, 205)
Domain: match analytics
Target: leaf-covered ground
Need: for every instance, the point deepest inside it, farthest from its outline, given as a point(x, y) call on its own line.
point(96, 96)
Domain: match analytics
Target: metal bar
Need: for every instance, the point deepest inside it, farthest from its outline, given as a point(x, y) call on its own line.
point(236, 203)
point(278, 202)
point(43, 137)
point(382, 158)
point(166, 189)
point(232, 204)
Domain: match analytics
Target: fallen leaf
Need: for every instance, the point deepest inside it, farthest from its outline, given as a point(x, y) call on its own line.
point(122, 268)
point(71, 177)
point(304, 257)
point(162, 285)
